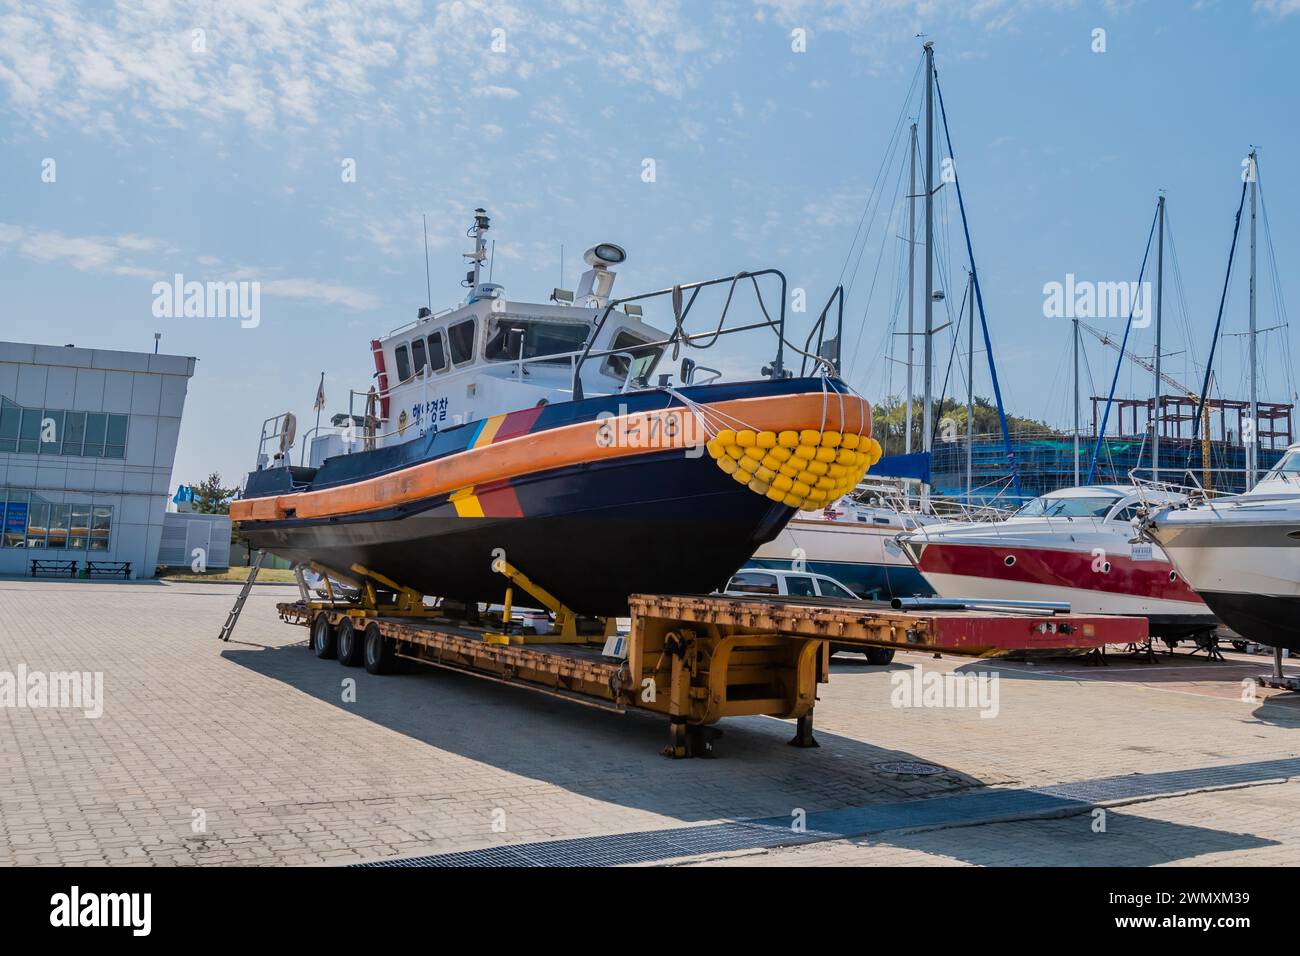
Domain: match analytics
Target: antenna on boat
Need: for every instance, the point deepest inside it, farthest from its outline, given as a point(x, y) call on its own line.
point(478, 233)
point(492, 261)
point(428, 288)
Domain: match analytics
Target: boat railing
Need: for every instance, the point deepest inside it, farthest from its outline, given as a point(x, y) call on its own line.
point(282, 430)
point(1153, 493)
point(421, 318)
point(683, 299)
point(836, 342)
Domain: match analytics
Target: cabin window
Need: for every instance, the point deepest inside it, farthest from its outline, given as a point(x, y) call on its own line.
point(1127, 513)
point(403, 363)
point(1287, 467)
point(460, 338)
point(539, 339)
point(417, 354)
point(437, 354)
point(643, 357)
point(1087, 506)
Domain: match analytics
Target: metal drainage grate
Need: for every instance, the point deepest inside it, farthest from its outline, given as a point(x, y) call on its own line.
point(909, 768)
point(964, 809)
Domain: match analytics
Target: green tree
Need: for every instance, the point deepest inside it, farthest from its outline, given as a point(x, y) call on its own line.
point(211, 498)
point(890, 420)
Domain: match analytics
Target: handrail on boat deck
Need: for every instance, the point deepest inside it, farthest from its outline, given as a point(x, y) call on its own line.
point(681, 310)
point(819, 329)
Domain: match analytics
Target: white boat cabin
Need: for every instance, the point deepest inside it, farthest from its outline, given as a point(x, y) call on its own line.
point(492, 355)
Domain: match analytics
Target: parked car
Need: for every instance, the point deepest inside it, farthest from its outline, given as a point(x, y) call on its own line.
point(777, 581)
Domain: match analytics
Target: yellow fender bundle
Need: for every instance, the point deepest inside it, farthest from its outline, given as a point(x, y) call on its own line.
point(806, 469)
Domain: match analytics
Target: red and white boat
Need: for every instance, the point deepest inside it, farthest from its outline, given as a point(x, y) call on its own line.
point(1077, 545)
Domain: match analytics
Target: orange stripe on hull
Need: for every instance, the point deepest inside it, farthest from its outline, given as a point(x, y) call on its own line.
point(558, 448)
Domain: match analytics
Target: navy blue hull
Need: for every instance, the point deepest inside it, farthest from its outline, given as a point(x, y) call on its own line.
point(592, 535)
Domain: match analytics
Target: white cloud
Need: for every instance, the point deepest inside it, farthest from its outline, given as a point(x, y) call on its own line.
point(1277, 8)
point(113, 255)
point(325, 293)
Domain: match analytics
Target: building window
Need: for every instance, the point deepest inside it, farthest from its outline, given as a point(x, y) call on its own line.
point(10, 415)
point(74, 433)
point(58, 537)
point(38, 522)
point(79, 532)
point(34, 522)
point(101, 522)
point(52, 431)
point(29, 433)
point(115, 438)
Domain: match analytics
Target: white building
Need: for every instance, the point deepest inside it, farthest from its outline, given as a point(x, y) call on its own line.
point(87, 441)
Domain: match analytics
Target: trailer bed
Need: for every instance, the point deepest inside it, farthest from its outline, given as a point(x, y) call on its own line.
point(697, 658)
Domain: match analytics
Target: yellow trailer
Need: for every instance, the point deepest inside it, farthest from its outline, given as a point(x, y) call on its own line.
point(692, 658)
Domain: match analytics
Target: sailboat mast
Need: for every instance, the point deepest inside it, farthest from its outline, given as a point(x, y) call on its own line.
point(911, 289)
point(970, 385)
point(928, 412)
point(1076, 402)
point(1252, 447)
point(1160, 297)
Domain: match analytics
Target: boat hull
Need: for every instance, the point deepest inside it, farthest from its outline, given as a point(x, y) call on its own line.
point(593, 500)
point(1246, 570)
point(1099, 575)
point(866, 559)
point(590, 535)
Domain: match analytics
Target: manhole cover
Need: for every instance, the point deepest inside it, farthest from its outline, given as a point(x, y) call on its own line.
point(910, 768)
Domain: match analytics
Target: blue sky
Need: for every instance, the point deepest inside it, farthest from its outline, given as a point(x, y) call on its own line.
point(224, 162)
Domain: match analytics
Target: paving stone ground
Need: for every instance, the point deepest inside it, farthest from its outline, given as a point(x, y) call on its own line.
point(247, 753)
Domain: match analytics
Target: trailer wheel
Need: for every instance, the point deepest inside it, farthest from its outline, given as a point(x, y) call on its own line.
point(879, 655)
point(378, 651)
point(349, 644)
point(323, 637)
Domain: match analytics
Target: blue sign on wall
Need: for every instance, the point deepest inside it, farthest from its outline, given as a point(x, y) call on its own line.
point(16, 518)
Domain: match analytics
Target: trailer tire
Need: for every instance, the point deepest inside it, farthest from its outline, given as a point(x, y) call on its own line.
point(349, 644)
point(879, 655)
point(378, 651)
point(323, 637)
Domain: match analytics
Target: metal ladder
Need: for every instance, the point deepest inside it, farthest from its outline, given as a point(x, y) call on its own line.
point(233, 617)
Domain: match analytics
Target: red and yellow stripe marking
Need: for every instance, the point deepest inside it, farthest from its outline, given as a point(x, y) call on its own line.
point(479, 477)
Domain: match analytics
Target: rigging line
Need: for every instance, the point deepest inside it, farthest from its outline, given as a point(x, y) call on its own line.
point(943, 393)
point(873, 205)
point(979, 296)
point(872, 290)
point(902, 113)
point(1218, 324)
point(1119, 362)
point(1279, 301)
point(1181, 294)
